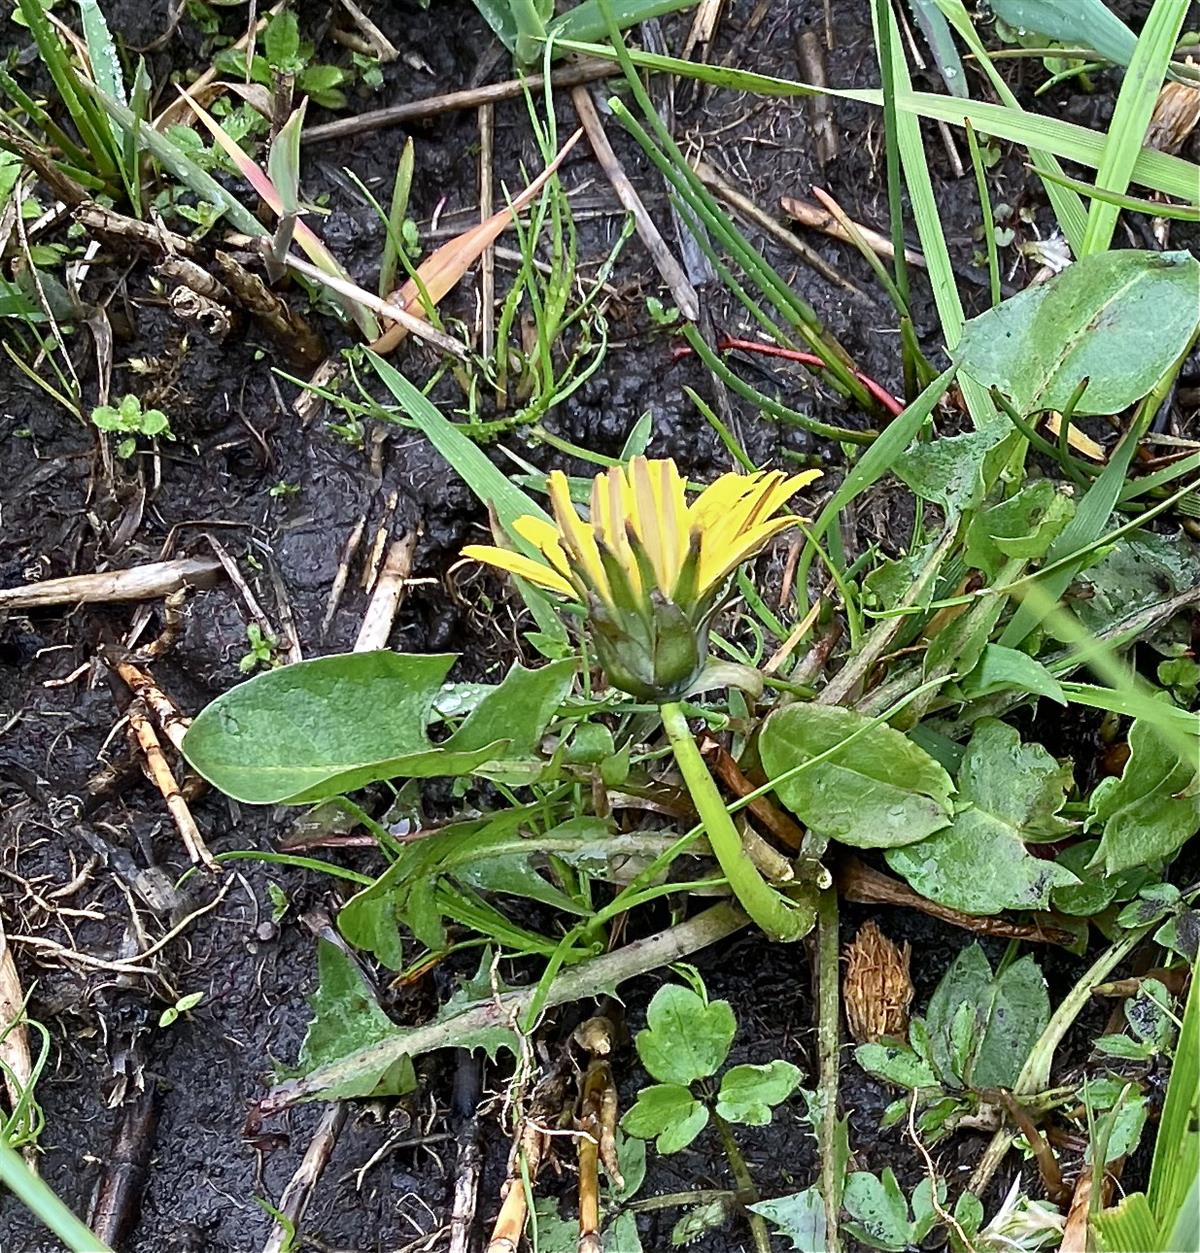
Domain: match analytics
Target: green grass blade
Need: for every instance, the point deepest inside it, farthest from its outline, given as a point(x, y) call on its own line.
point(394, 222)
point(182, 167)
point(102, 52)
point(1069, 209)
point(1160, 171)
point(69, 85)
point(470, 462)
point(1135, 204)
point(34, 1193)
point(1131, 117)
point(1176, 1164)
point(929, 223)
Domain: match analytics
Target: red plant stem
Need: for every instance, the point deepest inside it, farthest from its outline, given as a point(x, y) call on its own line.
point(728, 344)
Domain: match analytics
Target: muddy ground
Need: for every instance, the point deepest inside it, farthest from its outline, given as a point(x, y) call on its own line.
point(237, 438)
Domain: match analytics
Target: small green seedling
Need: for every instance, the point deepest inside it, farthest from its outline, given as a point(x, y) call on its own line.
point(284, 488)
point(181, 1006)
point(261, 653)
point(129, 419)
point(285, 54)
point(684, 1046)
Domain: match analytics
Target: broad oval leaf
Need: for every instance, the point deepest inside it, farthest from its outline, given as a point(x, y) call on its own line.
point(980, 865)
point(1153, 808)
point(749, 1093)
point(879, 791)
point(1117, 319)
point(324, 727)
point(686, 1037)
point(668, 1114)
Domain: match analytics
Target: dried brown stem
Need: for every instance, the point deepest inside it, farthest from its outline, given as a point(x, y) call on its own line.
point(162, 778)
point(166, 712)
point(682, 291)
point(857, 882)
point(293, 334)
point(299, 1190)
point(132, 233)
point(819, 219)
point(785, 829)
point(811, 53)
point(414, 110)
point(386, 597)
point(1048, 1165)
point(115, 1210)
point(746, 208)
point(14, 1035)
point(149, 582)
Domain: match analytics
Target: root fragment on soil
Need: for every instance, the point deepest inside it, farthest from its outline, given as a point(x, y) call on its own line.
point(163, 779)
point(338, 586)
point(171, 721)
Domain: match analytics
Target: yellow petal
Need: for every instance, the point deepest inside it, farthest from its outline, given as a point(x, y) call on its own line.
point(717, 566)
point(577, 537)
point(524, 567)
point(543, 535)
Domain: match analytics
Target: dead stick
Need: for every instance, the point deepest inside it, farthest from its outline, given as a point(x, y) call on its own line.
point(14, 1034)
point(857, 882)
point(469, 1163)
point(819, 219)
point(343, 573)
point(416, 110)
point(811, 55)
point(172, 722)
point(682, 292)
point(385, 599)
point(743, 205)
point(788, 832)
point(117, 1204)
point(299, 1190)
point(149, 582)
point(164, 780)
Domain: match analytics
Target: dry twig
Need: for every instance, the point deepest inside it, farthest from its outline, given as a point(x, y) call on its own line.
point(149, 582)
point(162, 778)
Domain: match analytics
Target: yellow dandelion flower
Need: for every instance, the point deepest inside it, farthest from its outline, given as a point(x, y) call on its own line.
point(649, 568)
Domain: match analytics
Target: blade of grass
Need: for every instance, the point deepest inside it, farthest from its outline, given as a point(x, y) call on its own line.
point(985, 209)
point(68, 84)
point(305, 236)
point(442, 270)
point(925, 213)
point(394, 221)
point(875, 462)
point(1160, 171)
point(1155, 208)
point(1131, 117)
point(1069, 210)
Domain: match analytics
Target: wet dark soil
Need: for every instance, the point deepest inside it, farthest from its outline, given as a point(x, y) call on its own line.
point(390, 1180)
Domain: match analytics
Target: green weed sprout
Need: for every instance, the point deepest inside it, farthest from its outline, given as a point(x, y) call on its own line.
point(127, 418)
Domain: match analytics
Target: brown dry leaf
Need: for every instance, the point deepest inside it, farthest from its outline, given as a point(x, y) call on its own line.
point(442, 270)
point(876, 988)
point(1176, 113)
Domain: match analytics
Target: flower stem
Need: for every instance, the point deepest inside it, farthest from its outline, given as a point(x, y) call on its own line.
point(778, 916)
